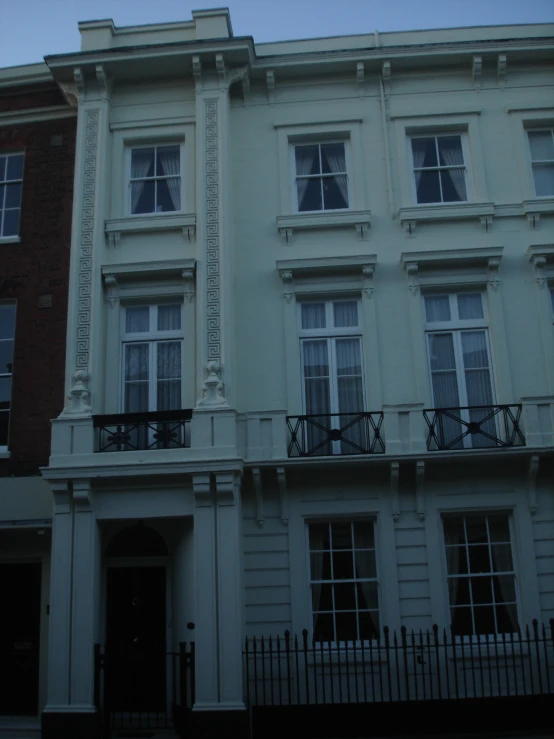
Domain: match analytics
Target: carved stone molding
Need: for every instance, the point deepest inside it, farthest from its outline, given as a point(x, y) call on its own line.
point(188, 279)
point(212, 388)
point(493, 280)
point(413, 277)
point(368, 271)
point(227, 487)
point(202, 489)
point(112, 290)
point(288, 287)
point(270, 83)
point(197, 73)
point(79, 396)
point(477, 71)
point(360, 78)
point(82, 495)
point(501, 66)
point(213, 307)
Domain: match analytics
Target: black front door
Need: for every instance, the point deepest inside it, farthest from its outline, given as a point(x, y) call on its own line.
point(19, 638)
point(135, 665)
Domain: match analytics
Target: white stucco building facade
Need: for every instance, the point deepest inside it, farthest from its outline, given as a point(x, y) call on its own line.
point(314, 248)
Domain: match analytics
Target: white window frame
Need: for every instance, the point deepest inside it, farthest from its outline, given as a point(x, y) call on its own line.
point(538, 129)
point(155, 145)
point(456, 327)
point(377, 579)
point(436, 134)
point(5, 447)
point(152, 338)
point(330, 333)
point(467, 513)
point(293, 177)
point(11, 182)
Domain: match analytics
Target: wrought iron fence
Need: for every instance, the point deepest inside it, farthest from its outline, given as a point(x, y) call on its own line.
point(474, 427)
point(405, 667)
point(127, 698)
point(123, 432)
point(335, 434)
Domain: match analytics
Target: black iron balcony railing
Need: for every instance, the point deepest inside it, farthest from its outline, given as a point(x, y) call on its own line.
point(335, 434)
point(125, 432)
point(474, 427)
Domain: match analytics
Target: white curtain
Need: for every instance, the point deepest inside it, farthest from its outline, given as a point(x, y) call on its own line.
point(478, 383)
point(305, 159)
point(316, 391)
point(350, 392)
point(418, 153)
point(169, 317)
point(319, 534)
point(452, 155)
point(169, 375)
point(345, 314)
point(313, 315)
point(137, 319)
point(470, 306)
point(437, 308)
point(170, 163)
point(365, 570)
point(141, 161)
point(136, 378)
point(334, 154)
point(445, 384)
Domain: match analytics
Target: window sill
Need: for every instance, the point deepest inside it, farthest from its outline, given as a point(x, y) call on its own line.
point(150, 223)
point(10, 240)
point(410, 217)
point(359, 219)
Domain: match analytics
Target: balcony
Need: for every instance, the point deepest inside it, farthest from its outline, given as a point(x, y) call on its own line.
point(335, 434)
point(474, 427)
point(126, 432)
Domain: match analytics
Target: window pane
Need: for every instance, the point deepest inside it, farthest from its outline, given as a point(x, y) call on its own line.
point(316, 363)
point(168, 160)
point(136, 397)
point(481, 590)
point(474, 348)
point(368, 625)
point(345, 599)
point(424, 151)
point(479, 561)
point(461, 620)
point(309, 194)
point(332, 158)
point(343, 568)
point(313, 315)
point(363, 536)
point(484, 620)
point(11, 223)
point(169, 360)
point(15, 167)
point(501, 555)
point(367, 595)
point(450, 151)
point(345, 313)
point(499, 529)
point(504, 589)
point(348, 357)
point(470, 306)
point(454, 532)
point(137, 319)
point(322, 597)
point(456, 560)
point(365, 563)
point(169, 317)
point(506, 619)
point(7, 320)
point(168, 197)
point(3, 168)
point(458, 591)
point(544, 179)
point(5, 391)
point(136, 362)
point(4, 424)
point(341, 535)
point(320, 563)
point(428, 187)
point(453, 183)
point(437, 308)
point(13, 196)
point(541, 144)
point(346, 626)
point(142, 163)
point(441, 348)
point(143, 198)
point(323, 627)
point(319, 536)
point(335, 192)
point(476, 528)
point(6, 357)
point(307, 160)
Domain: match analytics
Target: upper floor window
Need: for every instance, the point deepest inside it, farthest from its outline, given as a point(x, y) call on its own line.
point(152, 357)
point(7, 334)
point(331, 355)
point(321, 177)
point(541, 145)
point(11, 185)
point(481, 575)
point(460, 367)
point(343, 581)
point(440, 173)
point(155, 181)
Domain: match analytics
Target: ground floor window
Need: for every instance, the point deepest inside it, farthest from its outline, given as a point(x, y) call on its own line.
point(481, 575)
point(343, 580)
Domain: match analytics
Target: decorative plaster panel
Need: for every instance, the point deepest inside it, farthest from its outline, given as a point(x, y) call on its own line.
point(213, 308)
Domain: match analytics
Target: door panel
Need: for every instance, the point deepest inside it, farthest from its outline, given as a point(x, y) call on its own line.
point(20, 638)
point(135, 639)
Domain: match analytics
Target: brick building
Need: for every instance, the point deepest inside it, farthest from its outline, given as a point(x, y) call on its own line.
point(37, 145)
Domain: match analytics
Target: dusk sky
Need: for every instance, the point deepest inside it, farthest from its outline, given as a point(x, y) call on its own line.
point(30, 29)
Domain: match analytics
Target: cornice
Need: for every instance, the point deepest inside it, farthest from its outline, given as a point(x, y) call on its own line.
point(36, 115)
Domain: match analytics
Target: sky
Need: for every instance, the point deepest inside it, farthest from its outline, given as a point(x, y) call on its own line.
point(31, 29)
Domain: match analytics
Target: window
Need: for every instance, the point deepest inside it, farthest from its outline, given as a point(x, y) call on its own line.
point(321, 179)
point(155, 182)
point(11, 185)
point(331, 355)
point(460, 367)
point(343, 580)
point(541, 145)
point(152, 358)
point(481, 578)
point(7, 333)
point(439, 169)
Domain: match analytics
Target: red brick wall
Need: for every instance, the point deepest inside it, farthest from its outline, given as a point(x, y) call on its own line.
point(38, 266)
